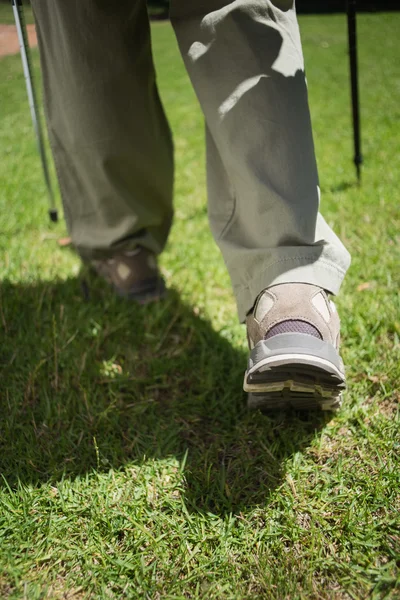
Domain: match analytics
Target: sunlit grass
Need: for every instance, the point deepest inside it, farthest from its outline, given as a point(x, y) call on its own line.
point(129, 463)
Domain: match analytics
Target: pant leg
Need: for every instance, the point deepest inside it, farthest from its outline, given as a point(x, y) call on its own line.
point(245, 61)
point(109, 135)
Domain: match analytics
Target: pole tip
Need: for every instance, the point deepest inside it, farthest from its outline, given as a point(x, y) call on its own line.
point(358, 160)
point(53, 214)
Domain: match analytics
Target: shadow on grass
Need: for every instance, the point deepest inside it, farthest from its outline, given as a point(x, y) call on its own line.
point(343, 186)
point(93, 385)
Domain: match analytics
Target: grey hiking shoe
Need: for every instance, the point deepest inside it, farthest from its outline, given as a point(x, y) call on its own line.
point(133, 274)
point(293, 335)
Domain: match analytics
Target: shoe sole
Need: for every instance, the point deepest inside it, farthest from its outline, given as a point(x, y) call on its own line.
point(294, 370)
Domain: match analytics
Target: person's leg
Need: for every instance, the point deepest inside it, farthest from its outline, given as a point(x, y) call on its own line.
point(245, 61)
point(109, 135)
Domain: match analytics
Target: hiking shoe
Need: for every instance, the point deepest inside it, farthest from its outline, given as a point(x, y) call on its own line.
point(133, 274)
point(293, 335)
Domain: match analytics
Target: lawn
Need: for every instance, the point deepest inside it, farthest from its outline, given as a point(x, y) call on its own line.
point(130, 465)
point(7, 15)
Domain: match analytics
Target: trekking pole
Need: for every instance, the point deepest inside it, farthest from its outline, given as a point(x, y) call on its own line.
point(352, 36)
point(26, 64)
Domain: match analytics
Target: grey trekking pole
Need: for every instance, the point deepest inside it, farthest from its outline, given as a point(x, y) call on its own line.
point(24, 49)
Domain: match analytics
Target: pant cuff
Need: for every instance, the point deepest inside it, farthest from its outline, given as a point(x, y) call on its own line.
point(322, 274)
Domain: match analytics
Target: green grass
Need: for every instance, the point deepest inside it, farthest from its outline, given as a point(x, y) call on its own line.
point(7, 15)
point(130, 466)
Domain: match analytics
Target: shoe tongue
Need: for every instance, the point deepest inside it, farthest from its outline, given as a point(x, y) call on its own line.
point(293, 326)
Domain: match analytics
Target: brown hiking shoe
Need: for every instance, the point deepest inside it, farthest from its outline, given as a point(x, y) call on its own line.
point(293, 335)
point(133, 274)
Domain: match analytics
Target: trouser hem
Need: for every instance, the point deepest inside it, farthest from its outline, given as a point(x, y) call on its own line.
point(88, 254)
point(322, 274)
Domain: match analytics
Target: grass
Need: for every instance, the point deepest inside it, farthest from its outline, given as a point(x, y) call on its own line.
point(130, 465)
point(7, 15)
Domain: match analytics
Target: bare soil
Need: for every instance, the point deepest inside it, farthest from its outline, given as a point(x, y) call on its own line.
point(9, 43)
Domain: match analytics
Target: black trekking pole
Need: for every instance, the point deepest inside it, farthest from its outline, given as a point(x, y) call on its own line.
point(352, 35)
point(26, 64)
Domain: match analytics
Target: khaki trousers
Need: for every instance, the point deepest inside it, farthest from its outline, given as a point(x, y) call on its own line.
point(113, 150)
